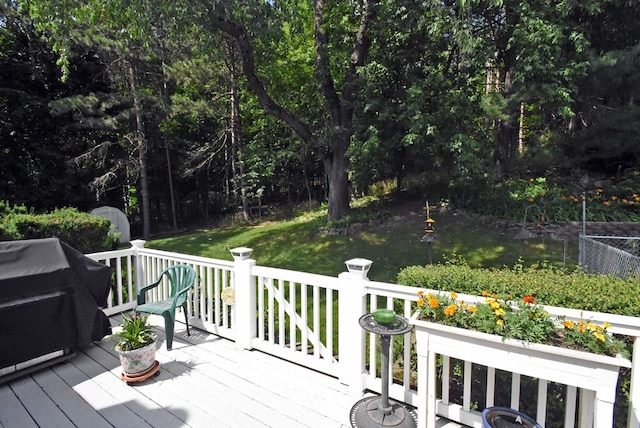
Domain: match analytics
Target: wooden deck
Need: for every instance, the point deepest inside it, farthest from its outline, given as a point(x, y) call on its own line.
point(203, 382)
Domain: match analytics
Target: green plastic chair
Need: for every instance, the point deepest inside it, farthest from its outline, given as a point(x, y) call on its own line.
point(181, 278)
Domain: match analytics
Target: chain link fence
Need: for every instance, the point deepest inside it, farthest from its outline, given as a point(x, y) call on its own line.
point(617, 255)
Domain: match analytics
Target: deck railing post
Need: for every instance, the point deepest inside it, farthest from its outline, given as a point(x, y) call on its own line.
point(141, 274)
point(351, 337)
point(634, 392)
point(245, 300)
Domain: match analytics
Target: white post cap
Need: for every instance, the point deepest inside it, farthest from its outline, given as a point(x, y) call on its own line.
point(138, 243)
point(241, 253)
point(359, 267)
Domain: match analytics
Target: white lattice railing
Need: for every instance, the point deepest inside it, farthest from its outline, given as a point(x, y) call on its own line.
point(312, 320)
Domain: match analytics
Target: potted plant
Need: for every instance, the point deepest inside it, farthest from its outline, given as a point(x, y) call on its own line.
point(136, 345)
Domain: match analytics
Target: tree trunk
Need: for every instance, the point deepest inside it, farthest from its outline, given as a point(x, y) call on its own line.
point(142, 151)
point(521, 131)
point(336, 166)
point(167, 152)
point(237, 146)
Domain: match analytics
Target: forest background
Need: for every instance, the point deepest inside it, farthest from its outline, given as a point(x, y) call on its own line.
point(180, 112)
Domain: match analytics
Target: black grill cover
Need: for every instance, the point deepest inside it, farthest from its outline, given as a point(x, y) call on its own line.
point(51, 297)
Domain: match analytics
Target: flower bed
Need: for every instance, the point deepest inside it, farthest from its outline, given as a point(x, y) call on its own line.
point(520, 319)
point(518, 336)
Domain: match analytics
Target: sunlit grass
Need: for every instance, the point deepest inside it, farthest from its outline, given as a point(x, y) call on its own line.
point(393, 244)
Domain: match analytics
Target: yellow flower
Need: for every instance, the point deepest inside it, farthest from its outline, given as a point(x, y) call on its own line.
point(473, 309)
point(499, 312)
point(420, 302)
point(450, 310)
point(453, 295)
point(599, 336)
point(606, 325)
point(500, 322)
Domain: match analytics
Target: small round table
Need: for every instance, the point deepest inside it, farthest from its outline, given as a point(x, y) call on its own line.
point(379, 411)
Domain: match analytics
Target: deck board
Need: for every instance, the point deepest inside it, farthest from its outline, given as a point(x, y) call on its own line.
point(205, 381)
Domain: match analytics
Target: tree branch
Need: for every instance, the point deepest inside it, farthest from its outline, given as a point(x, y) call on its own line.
point(245, 49)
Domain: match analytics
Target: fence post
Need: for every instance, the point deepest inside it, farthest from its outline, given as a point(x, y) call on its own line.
point(634, 392)
point(351, 306)
point(140, 279)
point(245, 301)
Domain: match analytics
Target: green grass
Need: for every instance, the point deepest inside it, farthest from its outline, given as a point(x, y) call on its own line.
point(392, 244)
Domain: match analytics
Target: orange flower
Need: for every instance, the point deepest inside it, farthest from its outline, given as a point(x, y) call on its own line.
point(529, 299)
point(450, 310)
point(420, 302)
point(434, 303)
point(568, 324)
point(421, 293)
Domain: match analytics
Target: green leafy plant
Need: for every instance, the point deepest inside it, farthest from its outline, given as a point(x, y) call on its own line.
point(520, 319)
point(593, 337)
point(135, 332)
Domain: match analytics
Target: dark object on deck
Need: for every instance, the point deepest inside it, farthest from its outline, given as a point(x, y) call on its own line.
point(502, 417)
point(51, 299)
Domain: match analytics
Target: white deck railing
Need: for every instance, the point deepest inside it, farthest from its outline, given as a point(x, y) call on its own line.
point(312, 320)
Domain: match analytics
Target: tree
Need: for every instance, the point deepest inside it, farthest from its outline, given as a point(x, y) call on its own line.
point(333, 136)
point(120, 34)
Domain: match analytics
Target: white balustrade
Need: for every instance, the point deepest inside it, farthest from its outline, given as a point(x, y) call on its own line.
point(312, 320)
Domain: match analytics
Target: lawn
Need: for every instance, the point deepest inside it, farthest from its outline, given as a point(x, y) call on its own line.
point(391, 243)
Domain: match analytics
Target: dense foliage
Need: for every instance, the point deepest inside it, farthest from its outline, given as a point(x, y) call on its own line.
point(178, 112)
point(550, 286)
point(81, 231)
point(556, 199)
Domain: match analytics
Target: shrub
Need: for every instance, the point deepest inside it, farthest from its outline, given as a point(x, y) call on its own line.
point(613, 200)
point(82, 231)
